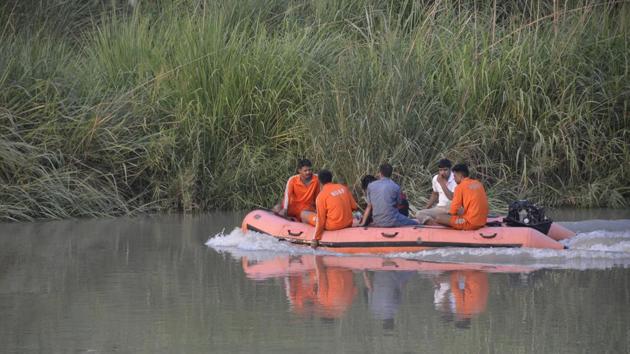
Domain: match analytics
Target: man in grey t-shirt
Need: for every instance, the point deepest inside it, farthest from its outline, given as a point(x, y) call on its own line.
point(383, 197)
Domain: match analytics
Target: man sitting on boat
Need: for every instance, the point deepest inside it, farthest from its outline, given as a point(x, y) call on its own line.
point(300, 194)
point(334, 207)
point(443, 186)
point(469, 208)
point(403, 207)
point(383, 197)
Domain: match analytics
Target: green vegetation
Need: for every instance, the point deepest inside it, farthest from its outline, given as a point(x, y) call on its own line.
point(194, 105)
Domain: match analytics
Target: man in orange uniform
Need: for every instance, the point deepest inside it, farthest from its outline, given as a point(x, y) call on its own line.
point(469, 208)
point(334, 207)
point(300, 194)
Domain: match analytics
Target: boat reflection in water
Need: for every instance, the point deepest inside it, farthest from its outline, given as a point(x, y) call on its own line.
point(326, 286)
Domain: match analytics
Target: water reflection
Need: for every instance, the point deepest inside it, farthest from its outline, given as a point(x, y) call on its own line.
point(461, 295)
point(312, 288)
point(326, 286)
point(384, 294)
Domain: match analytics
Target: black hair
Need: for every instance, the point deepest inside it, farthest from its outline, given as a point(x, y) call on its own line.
point(365, 180)
point(461, 168)
point(304, 162)
point(444, 163)
point(325, 176)
point(386, 170)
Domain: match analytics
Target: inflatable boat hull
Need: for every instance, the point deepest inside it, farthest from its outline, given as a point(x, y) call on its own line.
point(399, 239)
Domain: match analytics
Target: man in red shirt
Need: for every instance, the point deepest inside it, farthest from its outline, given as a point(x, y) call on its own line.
point(469, 208)
point(300, 194)
point(334, 207)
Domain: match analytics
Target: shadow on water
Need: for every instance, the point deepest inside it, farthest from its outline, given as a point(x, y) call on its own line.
point(150, 285)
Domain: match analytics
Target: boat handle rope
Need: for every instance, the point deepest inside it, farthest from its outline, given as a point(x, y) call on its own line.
point(488, 236)
point(295, 233)
point(384, 234)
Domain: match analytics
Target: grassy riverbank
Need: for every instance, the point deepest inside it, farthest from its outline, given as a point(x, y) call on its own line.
point(194, 105)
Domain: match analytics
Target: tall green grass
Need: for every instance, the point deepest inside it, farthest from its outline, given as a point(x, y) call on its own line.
point(196, 105)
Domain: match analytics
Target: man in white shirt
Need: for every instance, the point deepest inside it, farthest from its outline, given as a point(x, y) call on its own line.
point(443, 187)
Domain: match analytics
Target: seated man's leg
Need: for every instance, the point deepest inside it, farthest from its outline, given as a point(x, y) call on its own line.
point(456, 222)
point(424, 215)
point(459, 223)
point(442, 219)
point(405, 222)
point(308, 217)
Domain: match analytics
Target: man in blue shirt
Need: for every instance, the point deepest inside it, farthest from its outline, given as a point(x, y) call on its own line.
point(383, 197)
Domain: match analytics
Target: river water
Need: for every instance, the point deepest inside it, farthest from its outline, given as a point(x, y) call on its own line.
point(188, 284)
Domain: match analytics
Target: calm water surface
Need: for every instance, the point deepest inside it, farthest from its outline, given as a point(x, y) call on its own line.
point(152, 285)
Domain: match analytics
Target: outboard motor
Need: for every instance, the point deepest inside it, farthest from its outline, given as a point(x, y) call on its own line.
point(522, 213)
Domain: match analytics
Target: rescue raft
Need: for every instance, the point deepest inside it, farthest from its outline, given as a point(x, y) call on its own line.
point(404, 239)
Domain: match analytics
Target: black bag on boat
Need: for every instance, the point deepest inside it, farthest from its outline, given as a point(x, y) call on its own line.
point(522, 213)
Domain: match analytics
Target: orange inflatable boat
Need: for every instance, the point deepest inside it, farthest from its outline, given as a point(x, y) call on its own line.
point(403, 239)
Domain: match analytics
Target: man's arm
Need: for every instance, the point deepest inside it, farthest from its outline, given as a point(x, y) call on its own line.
point(457, 202)
point(432, 199)
point(318, 189)
point(444, 184)
point(368, 208)
point(366, 215)
point(353, 203)
point(288, 191)
point(321, 218)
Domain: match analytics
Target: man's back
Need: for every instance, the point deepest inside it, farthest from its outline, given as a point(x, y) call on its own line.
point(384, 195)
point(472, 196)
point(335, 205)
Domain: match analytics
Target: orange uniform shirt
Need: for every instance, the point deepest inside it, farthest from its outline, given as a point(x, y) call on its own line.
point(299, 197)
point(334, 208)
point(472, 196)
